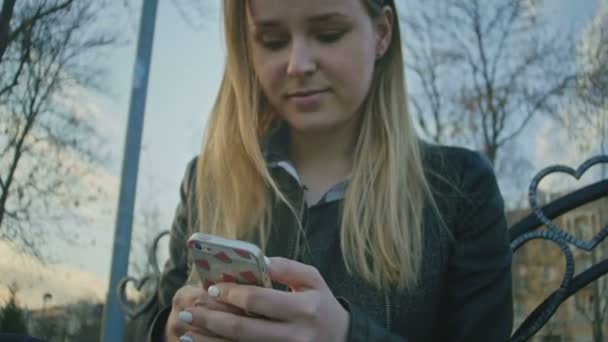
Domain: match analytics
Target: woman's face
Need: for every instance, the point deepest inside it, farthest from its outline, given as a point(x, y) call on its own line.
point(315, 58)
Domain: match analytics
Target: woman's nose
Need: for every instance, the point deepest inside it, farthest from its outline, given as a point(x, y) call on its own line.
point(301, 60)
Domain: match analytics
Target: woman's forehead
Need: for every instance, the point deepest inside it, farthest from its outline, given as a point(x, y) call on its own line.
point(263, 12)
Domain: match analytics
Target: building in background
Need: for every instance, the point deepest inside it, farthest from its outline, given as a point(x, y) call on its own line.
point(538, 269)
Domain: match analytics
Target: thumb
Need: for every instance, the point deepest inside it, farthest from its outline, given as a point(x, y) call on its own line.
point(294, 274)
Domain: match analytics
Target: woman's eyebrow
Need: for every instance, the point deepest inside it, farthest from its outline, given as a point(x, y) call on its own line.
point(327, 16)
point(271, 23)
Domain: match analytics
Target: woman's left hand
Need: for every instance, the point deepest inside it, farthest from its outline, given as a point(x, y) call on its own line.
point(309, 313)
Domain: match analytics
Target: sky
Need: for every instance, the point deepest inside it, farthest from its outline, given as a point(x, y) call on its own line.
point(185, 74)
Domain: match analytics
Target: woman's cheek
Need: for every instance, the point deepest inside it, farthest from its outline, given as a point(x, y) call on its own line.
point(272, 79)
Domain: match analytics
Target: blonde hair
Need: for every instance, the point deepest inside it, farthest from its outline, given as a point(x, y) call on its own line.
point(381, 230)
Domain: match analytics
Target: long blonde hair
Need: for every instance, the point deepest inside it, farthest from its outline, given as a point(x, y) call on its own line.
point(381, 231)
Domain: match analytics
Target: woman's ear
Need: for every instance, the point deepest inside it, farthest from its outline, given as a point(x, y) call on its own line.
point(384, 31)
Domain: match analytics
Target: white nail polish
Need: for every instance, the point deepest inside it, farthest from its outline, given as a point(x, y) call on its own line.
point(267, 261)
point(185, 316)
point(213, 291)
point(186, 339)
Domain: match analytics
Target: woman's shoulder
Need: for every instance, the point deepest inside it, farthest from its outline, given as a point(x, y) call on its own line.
point(453, 161)
point(464, 186)
point(459, 173)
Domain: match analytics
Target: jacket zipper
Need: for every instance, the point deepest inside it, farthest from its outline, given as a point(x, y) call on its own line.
point(293, 242)
point(387, 307)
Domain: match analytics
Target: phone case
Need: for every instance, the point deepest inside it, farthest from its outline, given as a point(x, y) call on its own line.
point(220, 260)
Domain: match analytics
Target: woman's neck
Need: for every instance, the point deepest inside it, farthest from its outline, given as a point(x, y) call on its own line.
point(322, 159)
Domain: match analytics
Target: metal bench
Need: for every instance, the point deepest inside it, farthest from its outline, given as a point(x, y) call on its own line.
point(535, 226)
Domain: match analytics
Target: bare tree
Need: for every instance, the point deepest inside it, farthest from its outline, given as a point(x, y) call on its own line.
point(586, 117)
point(432, 67)
point(47, 143)
point(586, 120)
point(10, 35)
point(593, 55)
point(486, 69)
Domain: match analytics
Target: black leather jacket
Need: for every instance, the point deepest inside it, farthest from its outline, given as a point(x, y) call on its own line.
point(465, 288)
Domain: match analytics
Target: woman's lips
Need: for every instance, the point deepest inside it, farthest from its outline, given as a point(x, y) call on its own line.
point(308, 100)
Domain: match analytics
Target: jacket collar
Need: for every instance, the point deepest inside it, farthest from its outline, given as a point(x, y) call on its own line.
point(275, 148)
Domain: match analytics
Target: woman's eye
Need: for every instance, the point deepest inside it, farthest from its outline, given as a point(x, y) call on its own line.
point(274, 44)
point(272, 41)
point(330, 37)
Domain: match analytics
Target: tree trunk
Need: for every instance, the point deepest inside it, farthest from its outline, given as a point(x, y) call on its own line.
point(5, 20)
point(490, 152)
point(13, 167)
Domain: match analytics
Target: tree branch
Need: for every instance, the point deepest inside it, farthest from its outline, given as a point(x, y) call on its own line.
point(40, 13)
point(538, 104)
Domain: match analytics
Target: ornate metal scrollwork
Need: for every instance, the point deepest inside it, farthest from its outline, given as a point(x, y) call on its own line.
point(553, 233)
point(133, 311)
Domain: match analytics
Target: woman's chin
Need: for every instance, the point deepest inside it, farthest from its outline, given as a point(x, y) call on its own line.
point(314, 123)
point(314, 127)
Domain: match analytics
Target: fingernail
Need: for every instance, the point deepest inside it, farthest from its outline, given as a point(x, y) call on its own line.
point(185, 316)
point(186, 339)
point(213, 291)
point(267, 261)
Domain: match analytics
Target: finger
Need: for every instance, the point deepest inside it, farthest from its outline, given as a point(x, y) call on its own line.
point(244, 329)
point(187, 295)
point(294, 274)
point(184, 323)
point(267, 302)
point(215, 304)
point(181, 328)
point(196, 318)
point(195, 337)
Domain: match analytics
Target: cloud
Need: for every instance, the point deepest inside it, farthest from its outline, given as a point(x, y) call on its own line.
point(554, 145)
point(92, 107)
point(64, 283)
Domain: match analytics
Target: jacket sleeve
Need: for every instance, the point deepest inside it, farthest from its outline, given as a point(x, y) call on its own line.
point(477, 303)
point(175, 272)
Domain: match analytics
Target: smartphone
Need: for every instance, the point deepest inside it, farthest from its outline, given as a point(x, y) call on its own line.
point(220, 260)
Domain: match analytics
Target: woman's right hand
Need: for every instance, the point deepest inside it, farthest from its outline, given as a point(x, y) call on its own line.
point(179, 322)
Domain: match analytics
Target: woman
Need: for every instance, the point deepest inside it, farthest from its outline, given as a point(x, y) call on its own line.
point(310, 152)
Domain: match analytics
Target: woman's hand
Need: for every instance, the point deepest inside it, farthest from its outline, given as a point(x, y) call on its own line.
point(187, 300)
point(309, 313)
